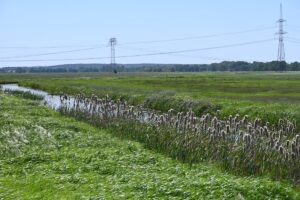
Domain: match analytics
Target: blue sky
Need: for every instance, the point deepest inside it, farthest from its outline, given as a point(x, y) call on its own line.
point(80, 24)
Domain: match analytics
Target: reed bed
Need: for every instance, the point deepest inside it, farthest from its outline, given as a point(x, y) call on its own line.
point(236, 143)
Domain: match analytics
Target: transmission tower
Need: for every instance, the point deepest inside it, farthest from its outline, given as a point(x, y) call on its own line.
point(112, 43)
point(281, 33)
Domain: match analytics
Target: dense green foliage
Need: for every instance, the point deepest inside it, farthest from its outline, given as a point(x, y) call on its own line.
point(48, 156)
point(223, 66)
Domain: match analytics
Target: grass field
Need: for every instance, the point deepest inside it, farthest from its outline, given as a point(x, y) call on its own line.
point(267, 95)
point(46, 155)
point(257, 87)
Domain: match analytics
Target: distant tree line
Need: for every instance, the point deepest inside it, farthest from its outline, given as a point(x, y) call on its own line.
point(223, 66)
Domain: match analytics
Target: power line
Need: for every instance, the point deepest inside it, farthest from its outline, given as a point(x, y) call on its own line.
point(201, 49)
point(200, 37)
point(144, 42)
point(293, 41)
point(292, 38)
point(292, 28)
point(47, 47)
point(141, 42)
point(182, 55)
point(150, 54)
point(53, 53)
point(296, 27)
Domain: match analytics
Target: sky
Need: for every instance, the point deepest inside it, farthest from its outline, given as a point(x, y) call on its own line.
point(66, 30)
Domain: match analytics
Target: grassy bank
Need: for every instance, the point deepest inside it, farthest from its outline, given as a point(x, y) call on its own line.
point(46, 155)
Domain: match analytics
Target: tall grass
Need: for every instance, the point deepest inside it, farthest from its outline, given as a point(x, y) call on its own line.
point(236, 143)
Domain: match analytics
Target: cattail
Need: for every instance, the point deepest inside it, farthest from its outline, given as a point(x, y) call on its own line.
point(208, 116)
point(218, 127)
point(249, 128)
point(223, 134)
point(241, 134)
point(185, 121)
point(237, 126)
point(266, 132)
point(192, 115)
point(152, 116)
point(286, 156)
point(273, 136)
point(205, 126)
point(293, 156)
point(280, 122)
point(297, 138)
point(247, 138)
point(161, 118)
point(255, 123)
point(205, 118)
point(176, 123)
point(194, 120)
point(227, 129)
point(271, 142)
point(291, 127)
point(245, 120)
point(240, 123)
point(214, 122)
point(293, 146)
point(196, 130)
point(209, 130)
point(236, 118)
point(211, 139)
point(281, 149)
point(213, 131)
point(230, 119)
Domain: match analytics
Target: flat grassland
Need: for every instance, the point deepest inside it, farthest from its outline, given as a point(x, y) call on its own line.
point(256, 87)
point(267, 95)
point(45, 155)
